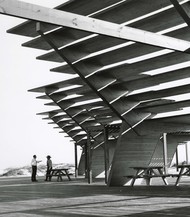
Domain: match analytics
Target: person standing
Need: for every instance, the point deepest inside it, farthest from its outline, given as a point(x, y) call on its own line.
point(49, 168)
point(34, 168)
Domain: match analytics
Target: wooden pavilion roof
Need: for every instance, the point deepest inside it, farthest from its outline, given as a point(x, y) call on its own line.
point(128, 66)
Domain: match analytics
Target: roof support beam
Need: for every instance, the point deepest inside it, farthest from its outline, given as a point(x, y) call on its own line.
point(61, 18)
point(181, 11)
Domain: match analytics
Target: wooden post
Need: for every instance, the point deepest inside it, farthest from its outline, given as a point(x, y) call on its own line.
point(177, 159)
point(165, 154)
point(76, 161)
point(106, 154)
point(89, 158)
point(186, 152)
point(86, 160)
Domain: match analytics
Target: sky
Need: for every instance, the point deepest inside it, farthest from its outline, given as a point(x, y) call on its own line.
point(23, 133)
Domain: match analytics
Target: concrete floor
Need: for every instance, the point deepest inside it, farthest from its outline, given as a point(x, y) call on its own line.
point(19, 197)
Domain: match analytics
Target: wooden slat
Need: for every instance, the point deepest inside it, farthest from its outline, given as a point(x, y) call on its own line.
point(82, 117)
point(185, 119)
point(72, 133)
point(155, 102)
point(182, 11)
point(56, 86)
point(133, 118)
point(50, 113)
point(101, 81)
point(160, 93)
point(73, 111)
point(58, 118)
point(117, 91)
point(124, 105)
point(158, 79)
point(76, 90)
point(169, 107)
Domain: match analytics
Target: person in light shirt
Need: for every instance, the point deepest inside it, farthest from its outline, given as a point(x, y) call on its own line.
point(34, 163)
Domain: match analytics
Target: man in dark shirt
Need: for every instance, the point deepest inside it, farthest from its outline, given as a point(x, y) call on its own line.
point(49, 168)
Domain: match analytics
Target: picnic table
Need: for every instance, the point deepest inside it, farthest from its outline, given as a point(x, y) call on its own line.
point(184, 171)
point(59, 173)
point(147, 173)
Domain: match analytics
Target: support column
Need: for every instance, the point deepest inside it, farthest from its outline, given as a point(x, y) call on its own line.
point(186, 152)
point(177, 159)
point(165, 153)
point(89, 158)
point(106, 154)
point(86, 161)
point(76, 161)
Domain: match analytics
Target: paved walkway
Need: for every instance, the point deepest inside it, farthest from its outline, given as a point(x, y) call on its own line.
point(21, 198)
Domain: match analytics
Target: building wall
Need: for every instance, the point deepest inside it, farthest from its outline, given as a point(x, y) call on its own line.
point(132, 150)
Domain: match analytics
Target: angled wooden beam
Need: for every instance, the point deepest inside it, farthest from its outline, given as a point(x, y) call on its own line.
point(83, 78)
point(61, 18)
point(180, 9)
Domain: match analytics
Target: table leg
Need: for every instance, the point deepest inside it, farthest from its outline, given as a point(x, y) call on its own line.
point(68, 175)
point(163, 178)
point(179, 176)
point(134, 178)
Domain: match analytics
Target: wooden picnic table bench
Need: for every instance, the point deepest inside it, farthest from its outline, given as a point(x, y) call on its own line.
point(184, 171)
point(147, 173)
point(59, 173)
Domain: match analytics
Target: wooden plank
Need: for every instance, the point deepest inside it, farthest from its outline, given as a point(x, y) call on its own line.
point(64, 105)
point(42, 14)
point(162, 125)
point(66, 69)
point(134, 118)
point(117, 91)
point(177, 119)
point(56, 86)
point(124, 105)
point(55, 112)
point(155, 102)
point(62, 124)
point(89, 105)
point(88, 123)
point(107, 120)
point(79, 137)
point(101, 81)
point(74, 110)
point(157, 94)
point(73, 133)
point(58, 118)
point(85, 89)
point(28, 28)
point(83, 7)
point(157, 79)
point(168, 107)
point(81, 117)
point(182, 11)
point(81, 98)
